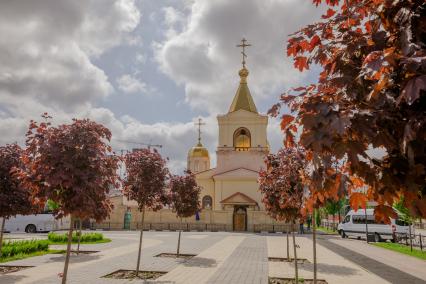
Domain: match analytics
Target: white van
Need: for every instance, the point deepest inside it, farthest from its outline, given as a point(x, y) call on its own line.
point(353, 225)
point(43, 222)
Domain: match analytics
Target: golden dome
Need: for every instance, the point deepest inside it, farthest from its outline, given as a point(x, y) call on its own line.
point(198, 151)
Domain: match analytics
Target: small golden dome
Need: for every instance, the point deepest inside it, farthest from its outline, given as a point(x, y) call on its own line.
point(198, 151)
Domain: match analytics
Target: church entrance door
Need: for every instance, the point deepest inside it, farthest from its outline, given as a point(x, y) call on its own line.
point(240, 218)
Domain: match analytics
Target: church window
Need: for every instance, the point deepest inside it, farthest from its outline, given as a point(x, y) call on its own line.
point(242, 139)
point(207, 202)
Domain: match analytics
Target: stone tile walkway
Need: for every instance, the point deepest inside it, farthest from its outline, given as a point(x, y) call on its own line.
point(225, 258)
point(247, 264)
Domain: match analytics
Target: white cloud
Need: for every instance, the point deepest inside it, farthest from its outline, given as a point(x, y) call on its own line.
point(129, 84)
point(46, 49)
point(203, 58)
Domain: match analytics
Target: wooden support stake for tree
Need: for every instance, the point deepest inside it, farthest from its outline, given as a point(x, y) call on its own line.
point(314, 240)
point(140, 243)
point(288, 246)
point(79, 236)
point(1, 234)
point(67, 257)
point(178, 245)
point(295, 255)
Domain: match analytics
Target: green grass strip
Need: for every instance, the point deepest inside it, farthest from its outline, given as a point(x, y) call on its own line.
point(27, 255)
point(104, 240)
point(402, 249)
point(325, 230)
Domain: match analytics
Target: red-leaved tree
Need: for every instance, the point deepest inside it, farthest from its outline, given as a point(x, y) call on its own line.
point(184, 198)
point(371, 94)
point(14, 198)
point(73, 166)
point(282, 190)
point(145, 183)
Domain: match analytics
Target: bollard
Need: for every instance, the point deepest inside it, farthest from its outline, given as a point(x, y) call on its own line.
point(421, 244)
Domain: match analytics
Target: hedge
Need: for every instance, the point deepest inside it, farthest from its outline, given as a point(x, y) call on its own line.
point(85, 237)
point(12, 248)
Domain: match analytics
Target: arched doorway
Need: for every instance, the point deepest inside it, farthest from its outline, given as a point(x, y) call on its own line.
point(240, 218)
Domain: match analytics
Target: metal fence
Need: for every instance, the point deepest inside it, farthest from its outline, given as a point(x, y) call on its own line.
point(162, 226)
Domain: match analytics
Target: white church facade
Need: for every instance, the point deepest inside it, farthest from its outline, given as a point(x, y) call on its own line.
point(232, 185)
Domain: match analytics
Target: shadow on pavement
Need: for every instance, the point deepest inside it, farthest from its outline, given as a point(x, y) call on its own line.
point(74, 258)
point(200, 262)
point(11, 279)
point(329, 269)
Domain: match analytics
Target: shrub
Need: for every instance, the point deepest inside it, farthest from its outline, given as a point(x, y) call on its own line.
point(85, 237)
point(12, 248)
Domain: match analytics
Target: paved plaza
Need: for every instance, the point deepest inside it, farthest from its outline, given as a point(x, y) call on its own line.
point(224, 258)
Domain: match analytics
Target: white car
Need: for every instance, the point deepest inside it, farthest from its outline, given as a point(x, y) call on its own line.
point(353, 225)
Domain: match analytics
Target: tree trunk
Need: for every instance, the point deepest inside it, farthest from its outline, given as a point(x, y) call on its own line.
point(140, 243)
point(366, 224)
point(295, 255)
point(314, 240)
point(79, 236)
point(411, 240)
point(178, 245)
point(1, 234)
point(288, 247)
point(67, 257)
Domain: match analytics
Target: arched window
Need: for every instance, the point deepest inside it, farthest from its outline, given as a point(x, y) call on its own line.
point(242, 139)
point(207, 202)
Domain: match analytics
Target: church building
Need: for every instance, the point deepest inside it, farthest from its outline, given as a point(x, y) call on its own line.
point(232, 185)
point(230, 194)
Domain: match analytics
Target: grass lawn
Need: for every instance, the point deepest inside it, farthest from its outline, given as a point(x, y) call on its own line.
point(402, 249)
point(104, 240)
point(24, 255)
point(325, 230)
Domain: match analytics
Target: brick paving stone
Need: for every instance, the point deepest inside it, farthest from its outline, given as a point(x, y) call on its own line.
point(247, 264)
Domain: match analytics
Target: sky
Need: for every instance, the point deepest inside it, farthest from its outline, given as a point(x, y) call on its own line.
point(146, 69)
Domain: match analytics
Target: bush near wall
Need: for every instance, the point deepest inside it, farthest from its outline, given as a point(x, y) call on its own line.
point(12, 248)
point(85, 237)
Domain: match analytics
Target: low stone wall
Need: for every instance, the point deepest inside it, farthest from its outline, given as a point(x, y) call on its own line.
point(209, 220)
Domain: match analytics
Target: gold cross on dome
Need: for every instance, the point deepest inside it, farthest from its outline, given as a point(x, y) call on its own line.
point(243, 45)
point(199, 123)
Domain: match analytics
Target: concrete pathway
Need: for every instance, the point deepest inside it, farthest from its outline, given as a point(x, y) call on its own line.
point(331, 267)
point(391, 266)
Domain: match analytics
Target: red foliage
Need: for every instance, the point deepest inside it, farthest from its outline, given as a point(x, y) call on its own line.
point(14, 198)
point(184, 195)
point(371, 93)
point(281, 184)
point(72, 165)
point(146, 178)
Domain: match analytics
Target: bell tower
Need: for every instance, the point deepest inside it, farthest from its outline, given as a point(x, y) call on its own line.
point(242, 131)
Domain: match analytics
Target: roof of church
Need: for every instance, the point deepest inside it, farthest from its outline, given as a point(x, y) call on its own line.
point(243, 98)
point(239, 198)
point(198, 151)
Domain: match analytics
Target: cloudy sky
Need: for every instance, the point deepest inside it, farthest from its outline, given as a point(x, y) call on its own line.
point(147, 69)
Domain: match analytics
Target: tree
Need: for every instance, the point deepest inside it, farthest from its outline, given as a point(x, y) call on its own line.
point(145, 183)
point(282, 190)
point(184, 198)
point(333, 207)
point(369, 97)
point(73, 166)
point(14, 198)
